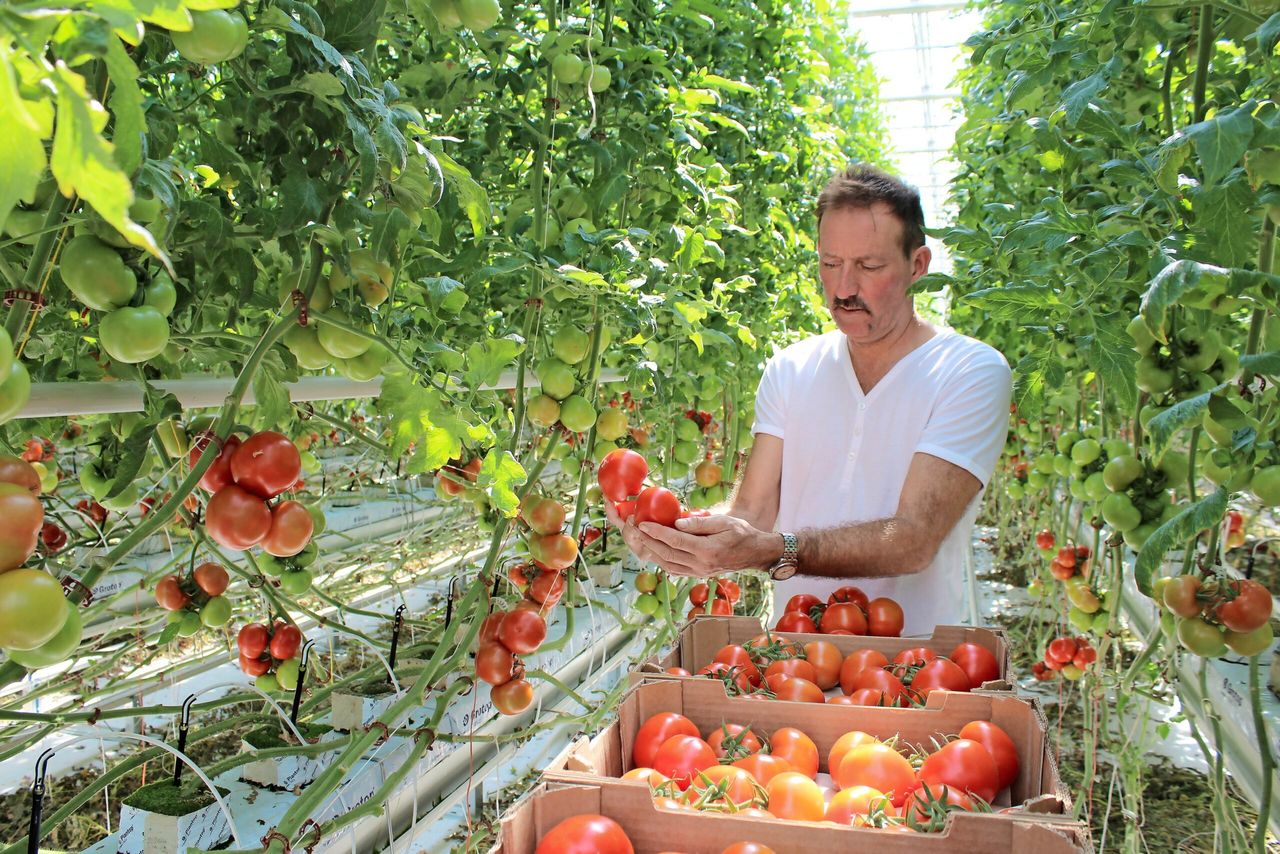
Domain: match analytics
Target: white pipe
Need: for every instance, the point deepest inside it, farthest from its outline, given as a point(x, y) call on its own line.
point(51, 400)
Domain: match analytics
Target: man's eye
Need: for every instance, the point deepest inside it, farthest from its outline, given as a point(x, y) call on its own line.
point(830, 264)
point(872, 269)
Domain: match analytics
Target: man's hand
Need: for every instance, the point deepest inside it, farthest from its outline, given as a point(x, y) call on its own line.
point(700, 546)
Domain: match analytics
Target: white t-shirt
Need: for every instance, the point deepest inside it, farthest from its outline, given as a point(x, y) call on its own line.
point(845, 453)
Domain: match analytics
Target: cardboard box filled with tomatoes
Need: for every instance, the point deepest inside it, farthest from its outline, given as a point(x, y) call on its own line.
point(556, 817)
point(741, 655)
point(961, 758)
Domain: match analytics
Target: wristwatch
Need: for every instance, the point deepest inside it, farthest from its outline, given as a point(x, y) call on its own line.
point(786, 566)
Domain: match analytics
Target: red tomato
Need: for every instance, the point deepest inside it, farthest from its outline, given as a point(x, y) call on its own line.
point(522, 631)
point(927, 806)
point(999, 745)
point(1061, 649)
point(880, 680)
point(802, 602)
point(826, 660)
point(236, 518)
point(792, 667)
point(763, 766)
point(915, 656)
point(737, 674)
point(964, 764)
point(878, 766)
point(844, 615)
point(795, 689)
point(977, 661)
point(494, 663)
point(658, 505)
point(748, 848)
point(544, 515)
point(738, 656)
point(54, 537)
point(291, 529)
point(868, 697)
point(252, 640)
point(512, 697)
point(169, 594)
point(858, 661)
point(728, 589)
point(849, 593)
point(547, 588)
point(621, 474)
point(586, 834)
point(211, 578)
point(884, 618)
point(217, 475)
point(794, 621)
point(656, 730)
point(680, 757)
point(733, 742)
point(845, 743)
point(939, 675)
point(489, 627)
point(795, 797)
point(1248, 610)
point(698, 594)
point(797, 748)
point(266, 464)
point(1067, 557)
point(285, 642)
point(848, 805)
point(1044, 539)
point(626, 509)
point(1085, 655)
point(255, 667)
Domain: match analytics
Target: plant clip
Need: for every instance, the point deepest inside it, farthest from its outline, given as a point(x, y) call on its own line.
point(599, 136)
point(257, 581)
point(386, 732)
point(85, 593)
point(534, 302)
point(275, 834)
point(553, 103)
point(311, 846)
point(14, 294)
point(425, 732)
point(93, 718)
point(305, 411)
point(300, 301)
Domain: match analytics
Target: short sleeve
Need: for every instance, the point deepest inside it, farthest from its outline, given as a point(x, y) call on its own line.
point(970, 421)
point(769, 401)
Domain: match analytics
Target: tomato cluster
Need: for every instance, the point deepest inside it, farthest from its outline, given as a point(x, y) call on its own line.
point(270, 654)
point(657, 591)
point(1070, 657)
point(558, 400)
point(727, 594)
point(196, 600)
point(504, 636)
point(879, 783)
point(243, 478)
point(1090, 608)
point(774, 667)
point(621, 479)
point(847, 611)
point(1211, 616)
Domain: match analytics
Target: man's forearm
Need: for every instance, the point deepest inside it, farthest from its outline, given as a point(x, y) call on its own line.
point(877, 549)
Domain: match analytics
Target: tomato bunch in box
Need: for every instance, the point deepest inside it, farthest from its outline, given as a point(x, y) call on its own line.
point(847, 611)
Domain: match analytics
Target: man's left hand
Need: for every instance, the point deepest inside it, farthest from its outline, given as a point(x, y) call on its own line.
point(703, 546)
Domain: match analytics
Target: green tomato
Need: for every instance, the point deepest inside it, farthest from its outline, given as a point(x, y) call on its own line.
point(1152, 378)
point(1118, 512)
point(190, 624)
point(1086, 451)
point(1062, 465)
point(1138, 536)
point(647, 604)
point(340, 343)
point(161, 294)
point(1201, 638)
point(124, 501)
point(687, 452)
point(1067, 440)
point(1247, 644)
point(366, 366)
point(1143, 340)
point(57, 649)
point(1036, 589)
point(93, 481)
point(1077, 490)
point(570, 345)
point(1044, 464)
point(310, 552)
point(1015, 490)
point(556, 378)
point(96, 274)
point(1101, 621)
point(576, 414)
point(1080, 619)
point(544, 410)
point(567, 68)
point(304, 343)
point(1175, 466)
point(478, 15)
point(1115, 448)
point(446, 12)
point(310, 462)
point(612, 424)
point(271, 566)
point(687, 431)
point(296, 583)
point(602, 449)
point(287, 673)
point(599, 78)
point(1036, 481)
point(646, 581)
point(6, 353)
point(134, 335)
point(267, 683)
point(215, 36)
point(216, 612)
point(1121, 471)
point(1197, 349)
point(1081, 596)
point(1265, 484)
point(1095, 486)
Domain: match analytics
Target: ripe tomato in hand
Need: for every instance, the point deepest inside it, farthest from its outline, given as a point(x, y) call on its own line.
point(977, 661)
point(621, 474)
point(266, 464)
point(658, 505)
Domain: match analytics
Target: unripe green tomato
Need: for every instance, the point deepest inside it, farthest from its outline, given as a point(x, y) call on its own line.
point(1015, 491)
point(557, 379)
point(595, 494)
point(1122, 470)
point(687, 431)
point(1265, 484)
point(1201, 638)
point(1138, 536)
point(687, 452)
point(571, 466)
point(1036, 481)
point(1100, 622)
point(1251, 643)
point(1071, 673)
point(1143, 340)
point(1080, 619)
point(1175, 466)
point(296, 583)
point(646, 581)
point(1077, 490)
point(667, 592)
point(1095, 486)
point(318, 522)
point(1169, 625)
point(601, 450)
point(216, 612)
point(647, 604)
point(310, 462)
point(576, 414)
point(1044, 464)
point(122, 503)
point(267, 683)
point(1115, 448)
point(1118, 512)
point(215, 36)
point(309, 552)
point(271, 566)
point(287, 673)
point(1067, 440)
point(599, 78)
point(1062, 465)
point(134, 335)
point(190, 624)
point(1035, 589)
point(612, 424)
point(1086, 451)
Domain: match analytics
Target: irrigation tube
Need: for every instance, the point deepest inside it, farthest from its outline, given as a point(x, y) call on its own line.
point(50, 400)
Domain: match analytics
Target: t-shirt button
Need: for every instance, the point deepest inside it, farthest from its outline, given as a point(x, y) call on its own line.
point(853, 455)
point(861, 406)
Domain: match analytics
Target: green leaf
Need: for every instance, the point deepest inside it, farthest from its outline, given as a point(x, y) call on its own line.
point(1168, 287)
point(1205, 513)
point(1017, 303)
point(436, 448)
point(126, 104)
point(1221, 141)
point(1079, 95)
point(300, 201)
point(1109, 351)
point(270, 396)
point(1170, 156)
point(471, 196)
point(931, 283)
point(487, 359)
point(502, 474)
point(84, 162)
point(132, 452)
point(1219, 211)
point(447, 295)
point(168, 633)
point(1267, 364)
point(23, 162)
point(1268, 33)
point(1163, 427)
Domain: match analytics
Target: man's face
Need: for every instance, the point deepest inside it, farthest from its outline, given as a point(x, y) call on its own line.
point(865, 275)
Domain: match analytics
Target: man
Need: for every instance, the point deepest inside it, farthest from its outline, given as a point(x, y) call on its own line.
point(873, 441)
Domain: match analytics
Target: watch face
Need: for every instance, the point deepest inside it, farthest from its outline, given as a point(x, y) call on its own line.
point(783, 572)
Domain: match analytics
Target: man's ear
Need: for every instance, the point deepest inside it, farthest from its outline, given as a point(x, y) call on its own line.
point(920, 262)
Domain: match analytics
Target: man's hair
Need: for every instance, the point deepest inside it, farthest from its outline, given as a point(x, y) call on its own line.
point(861, 186)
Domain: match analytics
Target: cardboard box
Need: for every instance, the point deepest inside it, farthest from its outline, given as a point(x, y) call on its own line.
point(652, 830)
point(703, 701)
point(701, 638)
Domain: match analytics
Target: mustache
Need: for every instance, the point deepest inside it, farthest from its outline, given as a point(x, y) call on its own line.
point(850, 303)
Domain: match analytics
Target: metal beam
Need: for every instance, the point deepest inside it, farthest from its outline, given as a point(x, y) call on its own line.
point(905, 9)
